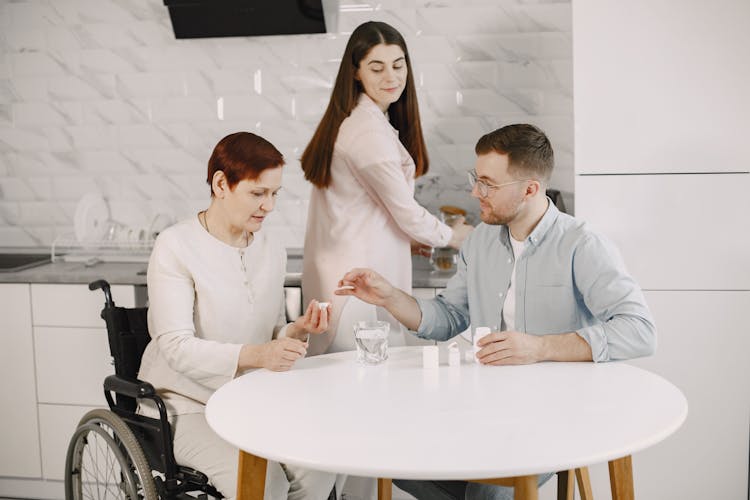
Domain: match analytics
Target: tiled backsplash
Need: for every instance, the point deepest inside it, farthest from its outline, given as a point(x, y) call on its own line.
point(98, 96)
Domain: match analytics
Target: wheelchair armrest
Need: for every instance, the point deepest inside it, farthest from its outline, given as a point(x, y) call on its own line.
point(135, 389)
point(130, 388)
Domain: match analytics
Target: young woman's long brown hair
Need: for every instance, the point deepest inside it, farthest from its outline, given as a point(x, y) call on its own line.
point(403, 114)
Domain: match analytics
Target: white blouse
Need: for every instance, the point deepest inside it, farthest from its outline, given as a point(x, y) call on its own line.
point(366, 217)
point(207, 299)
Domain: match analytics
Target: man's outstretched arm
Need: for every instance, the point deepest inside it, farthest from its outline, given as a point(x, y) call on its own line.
point(369, 286)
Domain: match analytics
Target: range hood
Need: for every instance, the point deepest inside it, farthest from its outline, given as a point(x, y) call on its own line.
point(217, 18)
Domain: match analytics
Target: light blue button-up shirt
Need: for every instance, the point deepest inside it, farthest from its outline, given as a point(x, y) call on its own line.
point(568, 279)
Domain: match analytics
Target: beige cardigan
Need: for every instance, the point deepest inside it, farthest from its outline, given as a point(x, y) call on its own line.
point(203, 305)
point(365, 218)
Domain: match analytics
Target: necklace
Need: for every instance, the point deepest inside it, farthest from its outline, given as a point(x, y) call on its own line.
point(205, 224)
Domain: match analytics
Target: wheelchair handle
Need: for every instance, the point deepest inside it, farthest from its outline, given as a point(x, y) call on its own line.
point(104, 285)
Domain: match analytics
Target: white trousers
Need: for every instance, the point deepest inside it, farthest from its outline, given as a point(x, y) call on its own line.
point(197, 446)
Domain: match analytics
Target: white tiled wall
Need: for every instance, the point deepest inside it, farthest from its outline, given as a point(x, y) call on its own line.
point(97, 95)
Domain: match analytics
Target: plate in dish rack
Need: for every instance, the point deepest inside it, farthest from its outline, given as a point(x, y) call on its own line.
point(90, 221)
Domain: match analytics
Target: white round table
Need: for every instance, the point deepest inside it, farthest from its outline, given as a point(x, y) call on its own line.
point(398, 420)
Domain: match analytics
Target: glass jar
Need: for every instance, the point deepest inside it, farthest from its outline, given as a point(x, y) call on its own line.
point(444, 259)
point(451, 215)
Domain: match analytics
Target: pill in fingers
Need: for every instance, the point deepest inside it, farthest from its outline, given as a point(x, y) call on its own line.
point(345, 287)
point(323, 305)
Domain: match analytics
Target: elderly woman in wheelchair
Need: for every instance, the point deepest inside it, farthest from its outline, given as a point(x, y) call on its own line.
point(215, 286)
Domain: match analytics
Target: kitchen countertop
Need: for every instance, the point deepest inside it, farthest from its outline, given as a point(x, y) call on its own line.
point(134, 273)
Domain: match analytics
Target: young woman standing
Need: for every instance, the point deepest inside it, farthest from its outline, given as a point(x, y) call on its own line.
point(363, 161)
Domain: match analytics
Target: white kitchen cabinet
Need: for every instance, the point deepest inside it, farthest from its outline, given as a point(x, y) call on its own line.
point(702, 349)
point(84, 354)
point(19, 438)
point(423, 293)
point(74, 305)
point(660, 86)
point(56, 426)
point(675, 232)
point(72, 360)
point(657, 91)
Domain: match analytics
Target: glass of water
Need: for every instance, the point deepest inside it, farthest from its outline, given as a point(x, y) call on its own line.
point(372, 341)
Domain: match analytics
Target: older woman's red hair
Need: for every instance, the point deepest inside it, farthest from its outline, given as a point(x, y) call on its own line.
point(242, 156)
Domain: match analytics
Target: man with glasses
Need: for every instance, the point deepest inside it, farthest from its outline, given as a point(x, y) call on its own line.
point(549, 287)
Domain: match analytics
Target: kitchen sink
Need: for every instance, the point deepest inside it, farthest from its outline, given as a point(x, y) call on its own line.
point(12, 262)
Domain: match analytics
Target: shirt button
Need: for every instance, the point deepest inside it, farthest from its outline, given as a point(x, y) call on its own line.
point(509, 260)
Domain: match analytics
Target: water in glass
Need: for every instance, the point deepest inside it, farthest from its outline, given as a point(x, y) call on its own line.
point(372, 341)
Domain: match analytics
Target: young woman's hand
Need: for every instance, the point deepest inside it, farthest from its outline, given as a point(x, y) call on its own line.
point(418, 248)
point(460, 232)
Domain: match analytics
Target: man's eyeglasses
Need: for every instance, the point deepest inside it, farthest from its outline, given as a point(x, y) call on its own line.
point(484, 188)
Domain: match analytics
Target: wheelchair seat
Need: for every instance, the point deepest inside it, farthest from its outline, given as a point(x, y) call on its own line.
point(117, 451)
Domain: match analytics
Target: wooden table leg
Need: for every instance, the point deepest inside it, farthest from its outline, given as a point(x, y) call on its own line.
point(621, 478)
point(251, 477)
point(566, 485)
point(584, 483)
point(525, 488)
point(385, 488)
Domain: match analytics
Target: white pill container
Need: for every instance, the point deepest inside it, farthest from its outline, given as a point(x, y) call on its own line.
point(430, 357)
point(479, 332)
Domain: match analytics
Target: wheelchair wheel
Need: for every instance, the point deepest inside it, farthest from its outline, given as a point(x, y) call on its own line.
point(104, 459)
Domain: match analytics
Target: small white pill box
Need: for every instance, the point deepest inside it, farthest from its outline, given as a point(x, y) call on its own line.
point(454, 355)
point(479, 332)
point(430, 357)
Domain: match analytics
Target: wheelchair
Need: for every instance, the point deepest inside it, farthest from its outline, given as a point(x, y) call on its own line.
point(117, 452)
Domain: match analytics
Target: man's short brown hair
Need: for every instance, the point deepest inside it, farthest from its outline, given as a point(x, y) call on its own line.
point(528, 148)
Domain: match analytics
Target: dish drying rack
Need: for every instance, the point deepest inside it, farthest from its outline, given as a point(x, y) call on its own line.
point(67, 248)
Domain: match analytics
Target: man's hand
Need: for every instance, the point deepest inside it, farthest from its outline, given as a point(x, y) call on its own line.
point(510, 348)
point(368, 285)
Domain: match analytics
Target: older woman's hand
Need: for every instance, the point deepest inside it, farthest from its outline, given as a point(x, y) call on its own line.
point(315, 320)
point(279, 355)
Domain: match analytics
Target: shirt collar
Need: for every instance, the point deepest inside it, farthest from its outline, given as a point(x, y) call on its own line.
point(541, 229)
point(366, 102)
point(548, 219)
